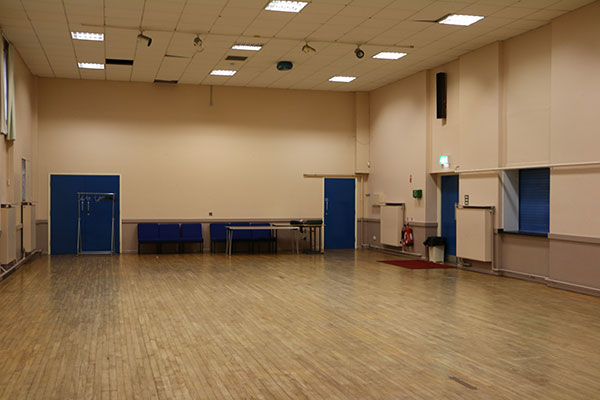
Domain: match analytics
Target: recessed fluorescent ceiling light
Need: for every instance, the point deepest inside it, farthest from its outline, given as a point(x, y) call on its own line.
point(247, 47)
point(458, 19)
point(389, 55)
point(223, 72)
point(91, 65)
point(344, 79)
point(99, 37)
point(286, 6)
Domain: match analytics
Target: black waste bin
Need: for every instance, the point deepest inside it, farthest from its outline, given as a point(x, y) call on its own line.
point(436, 246)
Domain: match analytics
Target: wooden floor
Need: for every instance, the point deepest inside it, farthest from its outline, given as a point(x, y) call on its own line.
point(339, 326)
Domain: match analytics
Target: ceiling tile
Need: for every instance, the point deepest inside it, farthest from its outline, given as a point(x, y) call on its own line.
point(40, 29)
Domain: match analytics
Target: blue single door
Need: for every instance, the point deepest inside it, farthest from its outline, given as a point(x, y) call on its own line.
point(449, 199)
point(340, 217)
point(96, 213)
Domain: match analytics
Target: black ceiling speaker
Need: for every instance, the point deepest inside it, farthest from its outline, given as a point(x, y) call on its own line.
point(440, 89)
point(284, 65)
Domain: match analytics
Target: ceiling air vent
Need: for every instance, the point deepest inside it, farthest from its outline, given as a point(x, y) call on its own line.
point(165, 81)
point(118, 61)
point(236, 58)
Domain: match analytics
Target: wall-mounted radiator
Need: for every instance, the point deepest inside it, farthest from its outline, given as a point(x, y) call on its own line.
point(475, 232)
point(391, 224)
point(8, 238)
point(29, 243)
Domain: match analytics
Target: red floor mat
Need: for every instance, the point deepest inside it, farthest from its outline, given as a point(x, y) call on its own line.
point(416, 264)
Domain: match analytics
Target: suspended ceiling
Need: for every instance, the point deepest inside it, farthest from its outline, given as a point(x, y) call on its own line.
point(40, 30)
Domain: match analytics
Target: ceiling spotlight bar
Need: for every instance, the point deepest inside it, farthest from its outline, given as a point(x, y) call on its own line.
point(257, 37)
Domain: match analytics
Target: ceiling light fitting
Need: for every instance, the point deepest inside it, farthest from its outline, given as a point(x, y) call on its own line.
point(286, 6)
point(223, 72)
point(85, 65)
point(389, 55)
point(343, 79)
point(247, 47)
point(144, 39)
point(459, 19)
point(97, 37)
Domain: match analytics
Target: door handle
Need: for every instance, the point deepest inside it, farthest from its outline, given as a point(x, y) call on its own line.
point(326, 205)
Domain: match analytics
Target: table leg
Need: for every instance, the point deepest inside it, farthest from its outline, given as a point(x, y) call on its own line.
point(228, 242)
point(320, 241)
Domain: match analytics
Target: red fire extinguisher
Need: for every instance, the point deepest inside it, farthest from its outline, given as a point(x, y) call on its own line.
point(407, 236)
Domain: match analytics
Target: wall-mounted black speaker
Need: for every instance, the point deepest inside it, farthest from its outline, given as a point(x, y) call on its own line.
point(440, 90)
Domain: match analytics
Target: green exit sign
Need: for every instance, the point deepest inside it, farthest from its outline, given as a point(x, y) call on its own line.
point(445, 161)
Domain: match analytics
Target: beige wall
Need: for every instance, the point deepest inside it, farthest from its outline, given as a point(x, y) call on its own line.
point(575, 85)
point(244, 157)
point(574, 123)
point(574, 202)
point(398, 144)
point(479, 114)
point(445, 132)
point(527, 98)
point(25, 146)
point(531, 100)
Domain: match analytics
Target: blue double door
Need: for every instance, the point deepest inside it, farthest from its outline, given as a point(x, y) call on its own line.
point(76, 204)
point(449, 199)
point(340, 213)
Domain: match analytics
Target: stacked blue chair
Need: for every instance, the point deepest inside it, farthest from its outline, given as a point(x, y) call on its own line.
point(192, 233)
point(147, 233)
point(169, 233)
point(241, 235)
point(218, 234)
point(264, 236)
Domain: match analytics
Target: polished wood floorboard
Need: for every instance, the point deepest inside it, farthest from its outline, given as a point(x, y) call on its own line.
point(334, 326)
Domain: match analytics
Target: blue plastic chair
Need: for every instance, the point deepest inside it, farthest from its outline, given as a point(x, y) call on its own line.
point(147, 233)
point(242, 235)
point(218, 234)
point(192, 233)
point(169, 233)
point(263, 235)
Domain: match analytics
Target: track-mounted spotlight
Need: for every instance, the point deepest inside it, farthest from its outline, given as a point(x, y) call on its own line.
point(144, 39)
point(359, 53)
point(308, 48)
point(198, 43)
